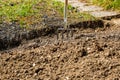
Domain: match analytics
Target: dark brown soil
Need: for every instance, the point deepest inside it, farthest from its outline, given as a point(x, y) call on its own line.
point(93, 54)
point(11, 35)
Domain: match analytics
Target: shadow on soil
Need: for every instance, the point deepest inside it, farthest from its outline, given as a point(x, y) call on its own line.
point(16, 36)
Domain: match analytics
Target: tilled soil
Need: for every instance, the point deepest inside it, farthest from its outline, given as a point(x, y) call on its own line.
point(93, 54)
point(11, 34)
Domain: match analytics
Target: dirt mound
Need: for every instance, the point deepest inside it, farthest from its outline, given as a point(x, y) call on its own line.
point(93, 57)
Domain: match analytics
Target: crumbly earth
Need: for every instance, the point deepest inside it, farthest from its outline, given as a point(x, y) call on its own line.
point(93, 54)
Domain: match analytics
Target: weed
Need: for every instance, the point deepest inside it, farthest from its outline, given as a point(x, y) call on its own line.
point(108, 4)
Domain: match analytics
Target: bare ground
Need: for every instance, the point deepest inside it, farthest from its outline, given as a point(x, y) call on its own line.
point(93, 54)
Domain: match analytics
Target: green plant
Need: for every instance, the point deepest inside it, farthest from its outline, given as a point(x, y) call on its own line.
point(108, 4)
point(30, 12)
point(59, 6)
point(11, 10)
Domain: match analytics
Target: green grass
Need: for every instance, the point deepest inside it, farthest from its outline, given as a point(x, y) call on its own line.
point(11, 10)
point(27, 12)
point(108, 4)
point(23, 11)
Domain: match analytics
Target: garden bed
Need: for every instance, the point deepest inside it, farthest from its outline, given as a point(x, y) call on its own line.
point(34, 22)
point(93, 53)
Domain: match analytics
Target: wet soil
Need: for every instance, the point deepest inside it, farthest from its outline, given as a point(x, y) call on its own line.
point(93, 54)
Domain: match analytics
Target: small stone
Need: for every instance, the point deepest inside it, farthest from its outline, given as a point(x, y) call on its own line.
point(89, 50)
point(66, 78)
point(33, 64)
point(97, 56)
point(35, 74)
point(87, 38)
point(49, 57)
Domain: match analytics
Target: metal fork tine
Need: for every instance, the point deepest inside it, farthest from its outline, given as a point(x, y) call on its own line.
point(66, 29)
point(62, 35)
point(71, 33)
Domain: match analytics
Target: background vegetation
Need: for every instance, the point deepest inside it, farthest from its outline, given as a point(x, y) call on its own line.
point(108, 4)
point(28, 12)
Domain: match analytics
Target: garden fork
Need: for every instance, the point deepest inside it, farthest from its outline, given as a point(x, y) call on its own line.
point(65, 29)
